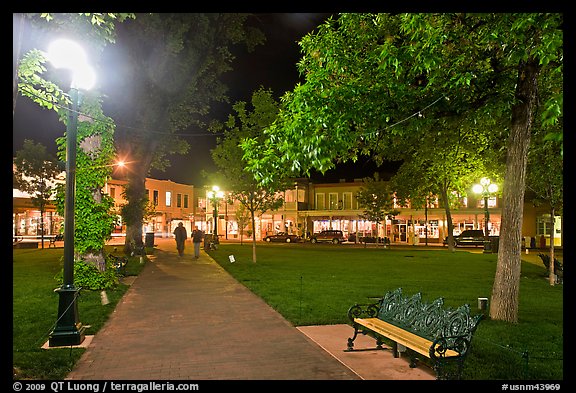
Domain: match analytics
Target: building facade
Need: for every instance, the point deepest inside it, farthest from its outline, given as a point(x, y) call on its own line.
point(308, 208)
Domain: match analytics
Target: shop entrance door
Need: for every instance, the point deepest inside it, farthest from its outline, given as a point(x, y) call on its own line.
point(399, 228)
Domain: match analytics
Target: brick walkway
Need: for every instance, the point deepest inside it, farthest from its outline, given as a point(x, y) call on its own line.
point(188, 319)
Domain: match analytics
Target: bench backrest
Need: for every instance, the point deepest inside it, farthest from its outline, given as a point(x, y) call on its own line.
point(429, 320)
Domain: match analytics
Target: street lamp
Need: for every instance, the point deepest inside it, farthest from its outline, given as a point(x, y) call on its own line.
point(214, 196)
point(486, 188)
point(69, 55)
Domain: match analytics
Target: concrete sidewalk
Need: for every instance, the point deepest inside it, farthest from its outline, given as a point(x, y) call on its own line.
point(188, 319)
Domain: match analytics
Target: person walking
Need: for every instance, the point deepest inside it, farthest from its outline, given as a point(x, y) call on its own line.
point(197, 236)
point(181, 235)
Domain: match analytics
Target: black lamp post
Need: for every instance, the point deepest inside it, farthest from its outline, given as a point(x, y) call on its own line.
point(486, 188)
point(215, 195)
point(68, 329)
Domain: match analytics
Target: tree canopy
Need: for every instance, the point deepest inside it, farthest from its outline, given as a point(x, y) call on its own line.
point(169, 68)
point(374, 81)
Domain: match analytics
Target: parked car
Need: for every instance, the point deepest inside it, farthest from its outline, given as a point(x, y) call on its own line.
point(282, 237)
point(328, 236)
point(471, 237)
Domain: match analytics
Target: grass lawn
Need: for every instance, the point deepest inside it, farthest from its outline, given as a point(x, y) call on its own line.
point(35, 310)
point(316, 284)
point(313, 285)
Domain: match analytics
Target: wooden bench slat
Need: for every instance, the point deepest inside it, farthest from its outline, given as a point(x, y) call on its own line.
point(401, 336)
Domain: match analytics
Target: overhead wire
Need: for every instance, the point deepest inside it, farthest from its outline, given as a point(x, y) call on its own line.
point(417, 113)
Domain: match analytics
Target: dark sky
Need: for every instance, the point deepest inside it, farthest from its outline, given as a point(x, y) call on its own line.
point(272, 65)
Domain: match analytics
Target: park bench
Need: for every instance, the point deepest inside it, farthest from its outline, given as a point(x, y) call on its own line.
point(55, 239)
point(119, 264)
point(558, 268)
point(442, 335)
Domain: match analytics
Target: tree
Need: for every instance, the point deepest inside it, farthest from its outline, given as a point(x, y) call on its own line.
point(174, 62)
point(93, 215)
point(35, 173)
point(375, 197)
point(95, 133)
point(545, 179)
point(228, 157)
point(243, 219)
point(444, 160)
point(369, 76)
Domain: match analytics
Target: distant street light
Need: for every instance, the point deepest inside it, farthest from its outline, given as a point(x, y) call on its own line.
point(69, 55)
point(117, 164)
point(215, 195)
point(485, 189)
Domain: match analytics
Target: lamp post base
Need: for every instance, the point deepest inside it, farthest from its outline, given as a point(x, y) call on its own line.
point(68, 330)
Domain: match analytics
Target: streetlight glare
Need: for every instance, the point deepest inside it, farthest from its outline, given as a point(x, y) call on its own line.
point(484, 181)
point(492, 188)
point(65, 53)
point(477, 189)
point(68, 54)
point(84, 78)
point(215, 193)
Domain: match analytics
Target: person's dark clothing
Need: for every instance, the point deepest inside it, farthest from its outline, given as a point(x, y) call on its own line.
point(197, 236)
point(181, 235)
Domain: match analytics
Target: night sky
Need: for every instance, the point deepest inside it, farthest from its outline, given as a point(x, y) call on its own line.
point(272, 65)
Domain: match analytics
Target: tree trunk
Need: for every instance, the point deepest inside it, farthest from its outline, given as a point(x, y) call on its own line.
point(252, 216)
point(426, 220)
point(17, 61)
point(504, 299)
point(42, 225)
point(135, 192)
point(444, 192)
point(552, 266)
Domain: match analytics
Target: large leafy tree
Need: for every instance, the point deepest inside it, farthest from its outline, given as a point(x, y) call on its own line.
point(35, 173)
point(247, 122)
point(172, 64)
point(368, 76)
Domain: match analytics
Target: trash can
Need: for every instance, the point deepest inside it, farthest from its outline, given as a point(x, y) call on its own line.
point(149, 240)
point(494, 243)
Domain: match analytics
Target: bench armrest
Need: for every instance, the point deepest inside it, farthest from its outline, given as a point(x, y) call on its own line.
point(441, 345)
point(363, 311)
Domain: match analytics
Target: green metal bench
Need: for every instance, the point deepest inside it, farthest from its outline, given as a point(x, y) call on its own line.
point(53, 240)
point(119, 264)
point(440, 334)
point(558, 268)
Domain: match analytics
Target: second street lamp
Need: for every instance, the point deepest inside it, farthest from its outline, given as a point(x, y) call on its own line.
point(485, 189)
point(215, 195)
point(68, 330)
